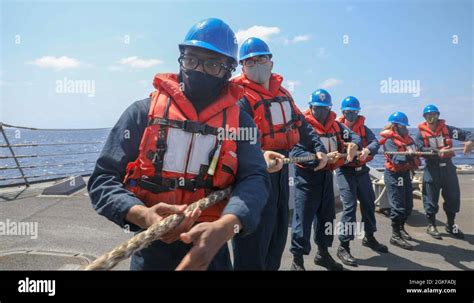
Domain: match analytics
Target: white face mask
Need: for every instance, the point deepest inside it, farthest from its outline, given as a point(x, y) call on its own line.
point(259, 73)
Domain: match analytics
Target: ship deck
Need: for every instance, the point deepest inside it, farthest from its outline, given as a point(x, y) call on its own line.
point(71, 233)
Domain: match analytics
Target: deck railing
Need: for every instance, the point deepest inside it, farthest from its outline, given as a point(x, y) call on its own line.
point(25, 178)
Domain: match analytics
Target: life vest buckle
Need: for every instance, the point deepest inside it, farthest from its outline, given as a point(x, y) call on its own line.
point(193, 185)
point(158, 185)
point(172, 183)
point(195, 127)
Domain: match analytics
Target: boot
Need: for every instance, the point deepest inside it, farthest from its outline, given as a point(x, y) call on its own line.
point(324, 259)
point(452, 228)
point(298, 263)
point(344, 254)
point(370, 242)
point(432, 230)
point(397, 239)
point(403, 232)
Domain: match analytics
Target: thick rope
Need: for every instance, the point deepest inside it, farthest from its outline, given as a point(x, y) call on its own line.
point(153, 233)
point(427, 153)
point(303, 159)
point(292, 160)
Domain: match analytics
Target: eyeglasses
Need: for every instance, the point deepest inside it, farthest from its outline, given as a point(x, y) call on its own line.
point(252, 61)
point(210, 66)
point(351, 111)
point(315, 107)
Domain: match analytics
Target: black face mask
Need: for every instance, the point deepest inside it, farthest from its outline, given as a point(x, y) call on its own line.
point(321, 114)
point(402, 131)
point(351, 116)
point(201, 88)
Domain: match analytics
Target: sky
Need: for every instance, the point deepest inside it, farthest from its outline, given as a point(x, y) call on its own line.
point(114, 48)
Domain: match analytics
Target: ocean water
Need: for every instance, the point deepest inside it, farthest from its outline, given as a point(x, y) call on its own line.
point(54, 161)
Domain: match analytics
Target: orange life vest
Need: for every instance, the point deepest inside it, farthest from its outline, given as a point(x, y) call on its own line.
point(178, 145)
point(359, 128)
point(274, 112)
point(403, 144)
point(437, 139)
point(330, 136)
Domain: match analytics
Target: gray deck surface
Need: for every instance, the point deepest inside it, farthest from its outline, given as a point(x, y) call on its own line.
point(71, 230)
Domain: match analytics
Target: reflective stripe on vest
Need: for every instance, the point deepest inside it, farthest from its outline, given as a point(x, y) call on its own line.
point(281, 112)
point(186, 151)
point(437, 139)
point(330, 143)
point(436, 142)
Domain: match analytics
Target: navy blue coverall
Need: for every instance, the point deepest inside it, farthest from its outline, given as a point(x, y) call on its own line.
point(355, 184)
point(398, 184)
point(314, 200)
point(112, 200)
point(263, 249)
point(439, 175)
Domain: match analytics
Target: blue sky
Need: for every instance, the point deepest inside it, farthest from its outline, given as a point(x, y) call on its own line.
point(46, 42)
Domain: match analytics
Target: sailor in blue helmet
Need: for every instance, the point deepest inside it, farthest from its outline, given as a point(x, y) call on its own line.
point(314, 192)
point(164, 161)
point(281, 126)
point(439, 174)
point(397, 175)
point(354, 184)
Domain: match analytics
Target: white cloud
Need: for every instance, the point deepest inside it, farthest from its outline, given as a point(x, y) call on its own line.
point(136, 62)
point(56, 63)
point(262, 32)
point(330, 83)
point(296, 39)
point(301, 38)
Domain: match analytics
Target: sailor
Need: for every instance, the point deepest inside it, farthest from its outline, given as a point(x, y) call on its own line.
point(439, 174)
point(314, 192)
point(397, 175)
point(354, 184)
point(281, 125)
point(165, 153)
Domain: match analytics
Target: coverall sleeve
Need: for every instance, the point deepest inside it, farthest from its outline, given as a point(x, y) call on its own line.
point(373, 144)
point(251, 189)
point(460, 134)
point(108, 195)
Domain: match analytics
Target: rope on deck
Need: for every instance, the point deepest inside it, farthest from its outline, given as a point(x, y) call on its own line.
point(154, 232)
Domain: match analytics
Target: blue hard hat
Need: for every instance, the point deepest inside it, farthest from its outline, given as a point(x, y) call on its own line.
point(320, 97)
point(399, 118)
point(212, 34)
point(253, 47)
point(350, 103)
point(430, 108)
